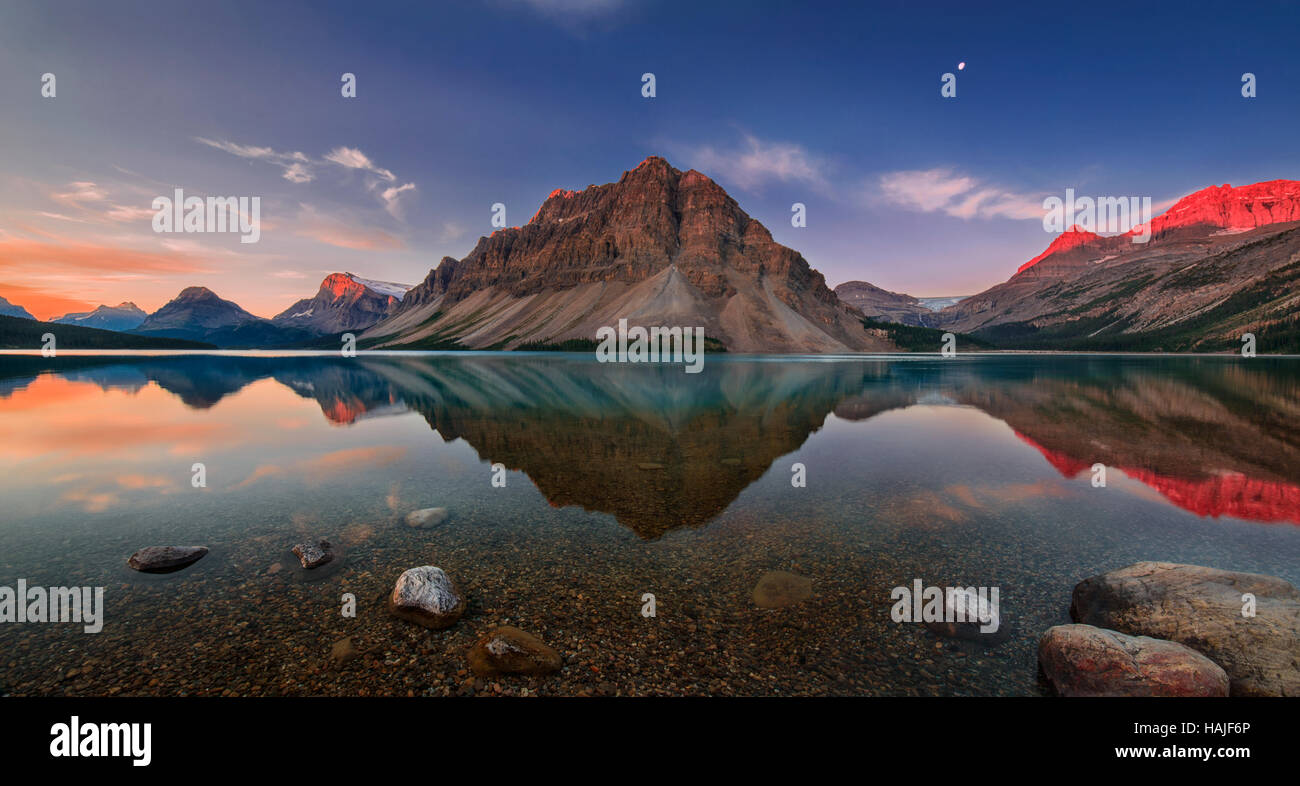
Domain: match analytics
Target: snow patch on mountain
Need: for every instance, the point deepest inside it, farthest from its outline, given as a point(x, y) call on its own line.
point(388, 288)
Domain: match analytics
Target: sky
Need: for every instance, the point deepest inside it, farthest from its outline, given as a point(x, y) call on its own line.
point(463, 105)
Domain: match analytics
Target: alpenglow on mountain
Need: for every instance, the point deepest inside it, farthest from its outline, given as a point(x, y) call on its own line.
point(1220, 263)
point(344, 302)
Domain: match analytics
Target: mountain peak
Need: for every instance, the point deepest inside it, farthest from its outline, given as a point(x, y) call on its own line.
point(196, 293)
point(1070, 239)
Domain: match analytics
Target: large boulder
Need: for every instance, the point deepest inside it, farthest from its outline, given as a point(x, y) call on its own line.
point(427, 596)
point(1081, 660)
point(166, 559)
point(1203, 608)
point(508, 650)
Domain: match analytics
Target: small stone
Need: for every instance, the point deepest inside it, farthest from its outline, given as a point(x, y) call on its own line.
point(165, 559)
point(428, 597)
point(313, 554)
point(778, 589)
point(426, 517)
point(507, 650)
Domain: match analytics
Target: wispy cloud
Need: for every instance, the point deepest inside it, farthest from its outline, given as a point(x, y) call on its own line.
point(295, 164)
point(757, 162)
point(956, 194)
point(352, 158)
point(300, 168)
point(391, 195)
point(79, 193)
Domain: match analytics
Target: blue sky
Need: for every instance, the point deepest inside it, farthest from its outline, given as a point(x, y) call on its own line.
point(461, 105)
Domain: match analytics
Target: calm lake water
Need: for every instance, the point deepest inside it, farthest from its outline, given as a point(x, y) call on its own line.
point(620, 480)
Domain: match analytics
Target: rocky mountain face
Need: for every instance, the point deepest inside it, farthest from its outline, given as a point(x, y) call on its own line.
point(886, 306)
point(344, 302)
point(197, 314)
point(8, 309)
point(658, 247)
point(123, 316)
point(1219, 263)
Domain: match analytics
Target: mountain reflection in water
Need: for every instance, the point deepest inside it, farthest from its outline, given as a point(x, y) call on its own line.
point(660, 450)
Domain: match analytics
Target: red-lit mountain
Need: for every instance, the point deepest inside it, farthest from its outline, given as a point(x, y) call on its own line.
point(1219, 263)
point(660, 247)
point(344, 302)
point(1067, 241)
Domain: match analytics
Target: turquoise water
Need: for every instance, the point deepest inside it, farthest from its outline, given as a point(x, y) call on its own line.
point(619, 480)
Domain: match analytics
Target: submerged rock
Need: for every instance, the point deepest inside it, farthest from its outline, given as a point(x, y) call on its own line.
point(778, 589)
point(967, 615)
point(165, 559)
point(1082, 660)
point(313, 554)
point(508, 650)
point(426, 517)
point(345, 651)
point(1203, 609)
point(427, 596)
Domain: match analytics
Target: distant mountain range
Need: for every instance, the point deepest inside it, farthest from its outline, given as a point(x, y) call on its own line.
point(123, 316)
point(8, 309)
point(671, 248)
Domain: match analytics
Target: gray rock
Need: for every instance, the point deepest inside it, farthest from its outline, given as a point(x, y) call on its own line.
point(968, 616)
point(426, 517)
point(1202, 608)
point(313, 554)
point(427, 596)
point(166, 559)
point(1082, 660)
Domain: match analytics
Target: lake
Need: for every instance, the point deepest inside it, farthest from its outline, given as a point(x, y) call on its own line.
point(616, 481)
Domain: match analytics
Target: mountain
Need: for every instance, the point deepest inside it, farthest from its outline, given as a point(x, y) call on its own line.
point(884, 305)
point(197, 314)
point(1221, 262)
point(659, 247)
point(27, 333)
point(123, 316)
point(11, 310)
point(344, 302)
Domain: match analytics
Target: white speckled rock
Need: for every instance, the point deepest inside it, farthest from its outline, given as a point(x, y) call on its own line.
point(427, 596)
point(313, 554)
point(426, 517)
